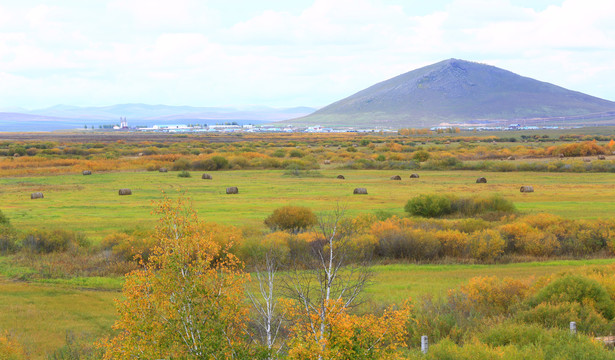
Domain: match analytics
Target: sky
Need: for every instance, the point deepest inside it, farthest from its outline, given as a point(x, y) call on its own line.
point(285, 53)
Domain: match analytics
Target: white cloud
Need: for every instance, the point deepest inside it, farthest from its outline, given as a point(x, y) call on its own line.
point(204, 53)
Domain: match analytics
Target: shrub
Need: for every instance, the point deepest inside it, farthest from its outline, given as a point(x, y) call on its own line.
point(489, 295)
point(181, 164)
point(126, 247)
point(184, 174)
point(407, 244)
point(279, 153)
point(44, 242)
point(429, 205)
point(3, 219)
point(480, 205)
point(559, 316)
point(541, 343)
point(8, 240)
point(296, 153)
point(486, 245)
point(421, 156)
point(291, 218)
point(577, 289)
point(453, 242)
point(10, 348)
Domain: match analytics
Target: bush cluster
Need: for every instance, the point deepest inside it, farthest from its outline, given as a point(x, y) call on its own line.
point(440, 205)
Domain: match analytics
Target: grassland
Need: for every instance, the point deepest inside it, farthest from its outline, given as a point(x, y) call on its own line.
point(42, 314)
point(91, 204)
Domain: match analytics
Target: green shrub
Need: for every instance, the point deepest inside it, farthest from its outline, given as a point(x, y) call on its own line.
point(421, 156)
point(296, 153)
point(184, 174)
point(482, 204)
point(576, 289)
point(429, 206)
point(561, 314)
point(181, 164)
point(279, 153)
point(3, 219)
point(291, 218)
point(544, 343)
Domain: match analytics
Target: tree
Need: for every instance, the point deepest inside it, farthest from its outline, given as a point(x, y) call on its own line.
point(187, 300)
point(291, 218)
point(322, 288)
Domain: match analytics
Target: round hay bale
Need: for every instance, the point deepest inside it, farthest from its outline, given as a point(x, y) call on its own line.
point(414, 176)
point(232, 190)
point(125, 192)
point(396, 177)
point(511, 158)
point(481, 180)
point(87, 172)
point(16, 155)
point(36, 195)
point(601, 157)
point(206, 177)
point(341, 177)
point(562, 155)
point(360, 191)
point(140, 154)
point(525, 189)
point(327, 162)
point(163, 170)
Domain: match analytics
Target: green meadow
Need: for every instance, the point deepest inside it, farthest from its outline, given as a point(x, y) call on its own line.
point(41, 314)
point(91, 204)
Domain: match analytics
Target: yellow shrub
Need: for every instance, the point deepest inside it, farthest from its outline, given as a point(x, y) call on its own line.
point(454, 243)
point(486, 245)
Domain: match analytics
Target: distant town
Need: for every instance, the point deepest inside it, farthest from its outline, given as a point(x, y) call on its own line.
point(251, 128)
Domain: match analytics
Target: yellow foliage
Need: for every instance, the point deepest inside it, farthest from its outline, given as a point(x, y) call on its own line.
point(11, 349)
point(454, 243)
point(490, 295)
point(346, 336)
point(486, 245)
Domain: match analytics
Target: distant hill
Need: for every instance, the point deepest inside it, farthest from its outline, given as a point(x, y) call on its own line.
point(458, 91)
point(62, 117)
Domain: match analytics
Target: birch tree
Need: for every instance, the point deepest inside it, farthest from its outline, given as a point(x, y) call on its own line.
point(187, 300)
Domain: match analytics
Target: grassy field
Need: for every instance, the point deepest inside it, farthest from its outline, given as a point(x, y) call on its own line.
point(42, 314)
point(91, 204)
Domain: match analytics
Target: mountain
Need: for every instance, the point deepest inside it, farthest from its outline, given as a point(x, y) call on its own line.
point(458, 91)
point(61, 117)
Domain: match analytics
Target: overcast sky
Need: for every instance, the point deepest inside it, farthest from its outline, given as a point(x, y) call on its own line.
point(285, 53)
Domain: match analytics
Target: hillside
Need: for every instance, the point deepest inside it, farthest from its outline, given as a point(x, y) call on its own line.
point(458, 91)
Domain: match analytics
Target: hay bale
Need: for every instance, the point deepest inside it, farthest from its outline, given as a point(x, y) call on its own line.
point(163, 170)
point(511, 158)
point(414, 176)
point(601, 157)
point(36, 195)
point(140, 154)
point(562, 156)
point(125, 192)
point(525, 189)
point(16, 155)
point(206, 177)
point(87, 172)
point(327, 162)
point(396, 177)
point(360, 191)
point(232, 190)
point(481, 180)
point(341, 177)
